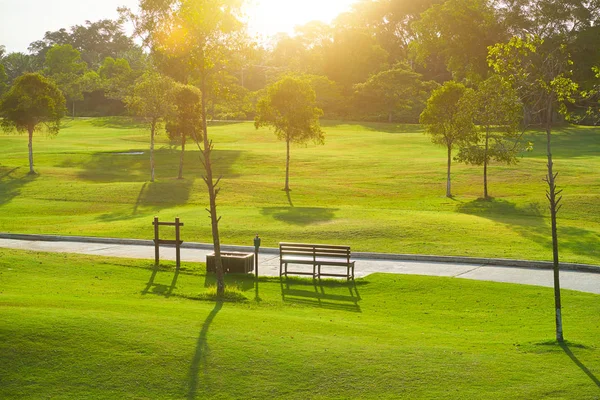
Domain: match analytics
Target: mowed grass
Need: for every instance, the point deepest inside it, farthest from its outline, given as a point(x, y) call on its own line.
point(74, 327)
point(376, 187)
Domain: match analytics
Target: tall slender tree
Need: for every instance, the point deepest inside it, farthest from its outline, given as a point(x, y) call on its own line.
point(541, 74)
point(186, 120)
point(498, 112)
point(152, 99)
point(32, 103)
point(202, 33)
point(448, 121)
point(289, 107)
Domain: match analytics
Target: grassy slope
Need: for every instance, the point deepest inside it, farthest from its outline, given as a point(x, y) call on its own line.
point(377, 187)
point(76, 327)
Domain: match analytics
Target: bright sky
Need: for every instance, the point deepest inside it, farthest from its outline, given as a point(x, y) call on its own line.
point(24, 21)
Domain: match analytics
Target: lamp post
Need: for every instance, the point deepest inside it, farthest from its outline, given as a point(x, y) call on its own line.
point(256, 246)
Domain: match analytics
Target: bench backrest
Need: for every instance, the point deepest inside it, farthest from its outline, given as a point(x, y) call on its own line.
point(315, 250)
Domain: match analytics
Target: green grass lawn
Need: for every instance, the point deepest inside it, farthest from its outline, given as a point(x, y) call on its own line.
point(75, 327)
point(376, 187)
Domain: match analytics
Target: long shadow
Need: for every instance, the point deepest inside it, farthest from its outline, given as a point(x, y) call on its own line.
point(529, 222)
point(133, 165)
point(589, 373)
point(10, 184)
point(300, 215)
point(160, 289)
point(567, 142)
point(334, 295)
point(199, 361)
point(385, 127)
point(118, 122)
point(153, 197)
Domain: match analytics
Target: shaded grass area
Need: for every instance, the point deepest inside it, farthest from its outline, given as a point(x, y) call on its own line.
point(376, 187)
point(87, 327)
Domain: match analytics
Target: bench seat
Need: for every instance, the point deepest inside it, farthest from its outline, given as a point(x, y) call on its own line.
point(317, 255)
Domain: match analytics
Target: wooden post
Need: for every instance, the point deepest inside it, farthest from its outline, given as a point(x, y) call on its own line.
point(156, 251)
point(177, 244)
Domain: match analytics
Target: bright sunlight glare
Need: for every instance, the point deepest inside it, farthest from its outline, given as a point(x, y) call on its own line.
point(269, 17)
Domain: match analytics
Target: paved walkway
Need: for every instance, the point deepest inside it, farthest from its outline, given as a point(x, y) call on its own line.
point(269, 264)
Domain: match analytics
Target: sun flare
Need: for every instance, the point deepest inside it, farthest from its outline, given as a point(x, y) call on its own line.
point(268, 17)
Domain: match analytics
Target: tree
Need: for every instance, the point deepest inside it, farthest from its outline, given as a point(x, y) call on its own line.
point(447, 120)
point(152, 100)
point(540, 72)
point(185, 122)
point(117, 77)
point(64, 65)
point(389, 91)
point(17, 64)
point(498, 111)
point(289, 107)
point(460, 31)
point(32, 102)
point(203, 34)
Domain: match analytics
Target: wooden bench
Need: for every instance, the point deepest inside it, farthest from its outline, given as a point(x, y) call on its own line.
point(317, 255)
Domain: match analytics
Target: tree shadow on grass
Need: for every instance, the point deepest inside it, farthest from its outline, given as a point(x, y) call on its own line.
point(300, 215)
point(330, 294)
point(567, 142)
point(378, 126)
point(153, 197)
point(11, 183)
point(199, 361)
point(133, 165)
point(567, 350)
point(530, 222)
point(118, 122)
point(566, 346)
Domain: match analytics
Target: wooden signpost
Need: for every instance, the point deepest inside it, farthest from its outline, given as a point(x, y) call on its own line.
point(177, 242)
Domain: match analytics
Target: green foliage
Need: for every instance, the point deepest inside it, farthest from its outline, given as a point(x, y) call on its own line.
point(393, 90)
point(117, 77)
point(152, 97)
point(540, 71)
point(33, 101)
point(186, 120)
point(289, 107)
point(459, 31)
point(448, 120)
point(445, 118)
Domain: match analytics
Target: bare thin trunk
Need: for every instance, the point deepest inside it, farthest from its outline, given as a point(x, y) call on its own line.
point(212, 194)
point(448, 182)
point(485, 163)
point(180, 176)
point(152, 131)
point(30, 145)
point(554, 207)
point(287, 166)
point(390, 117)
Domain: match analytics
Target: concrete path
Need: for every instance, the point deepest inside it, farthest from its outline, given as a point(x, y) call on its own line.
point(269, 263)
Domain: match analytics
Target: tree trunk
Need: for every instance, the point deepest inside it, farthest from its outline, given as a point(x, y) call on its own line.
point(30, 145)
point(287, 166)
point(212, 194)
point(390, 117)
point(180, 176)
point(485, 163)
point(553, 211)
point(73, 109)
point(152, 130)
point(448, 182)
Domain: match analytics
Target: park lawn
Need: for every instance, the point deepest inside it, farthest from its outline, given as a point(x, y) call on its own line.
point(376, 187)
point(74, 326)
